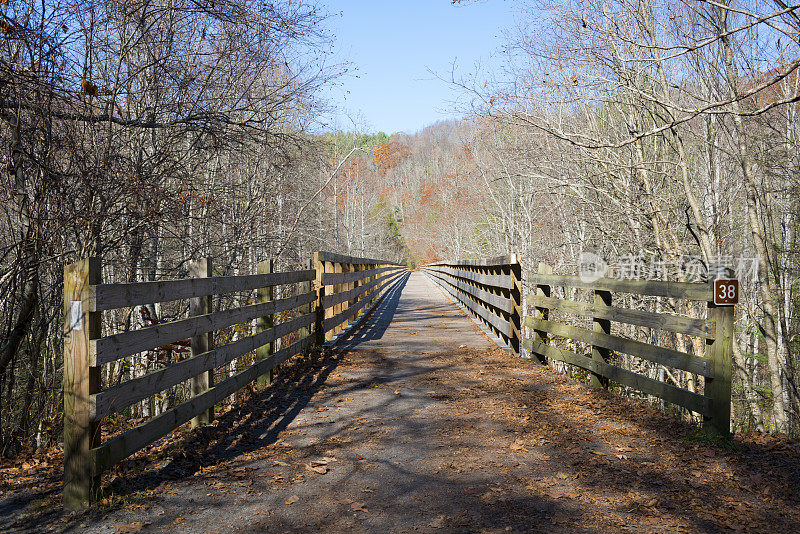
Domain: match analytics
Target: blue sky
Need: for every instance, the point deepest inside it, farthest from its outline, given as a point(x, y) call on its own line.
point(394, 44)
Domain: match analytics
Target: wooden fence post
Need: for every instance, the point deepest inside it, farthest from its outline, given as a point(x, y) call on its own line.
point(319, 325)
point(720, 352)
point(516, 297)
point(306, 287)
point(264, 295)
point(338, 268)
point(354, 285)
point(81, 379)
point(541, 313)
point(602, 326)
point(202, 342)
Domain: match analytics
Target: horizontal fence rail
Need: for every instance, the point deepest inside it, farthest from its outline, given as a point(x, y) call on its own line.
point(326, 297)
point(347, 285)
point(716, 332)
point(490, 289)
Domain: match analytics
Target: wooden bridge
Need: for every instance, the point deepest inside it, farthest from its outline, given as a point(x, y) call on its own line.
point(400, 328)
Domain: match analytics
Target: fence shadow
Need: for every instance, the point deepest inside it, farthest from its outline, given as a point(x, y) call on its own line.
point(258, 422)
point(374, 325)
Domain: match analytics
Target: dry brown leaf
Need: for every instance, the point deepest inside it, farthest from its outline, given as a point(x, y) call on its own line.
point(136, 526)
point(358, 507)
point(517, 446)
point(321, 469)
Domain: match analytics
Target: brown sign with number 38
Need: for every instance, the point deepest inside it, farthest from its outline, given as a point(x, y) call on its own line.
point(726, 292)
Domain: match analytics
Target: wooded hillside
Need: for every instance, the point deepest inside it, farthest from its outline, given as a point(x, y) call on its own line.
point(658, 138)
point(153, 134)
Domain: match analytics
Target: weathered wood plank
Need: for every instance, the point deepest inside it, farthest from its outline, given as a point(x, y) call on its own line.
point(307, 287)
point(675, 395)
point(662, 355)
point(330, 279)
point(495, 280)
point(319, 290)
point(201, 342)
point(345, 296)
point(657, 288)
point(498, 301)
point(118, 346)
point(506, 259)
point(81, 380)
point(122, 446)
point(342, 258)
point(112, 296)
point(602, 299)
point(515, 298)
point(266, 322)
point(118, 397)
point(672, 323)
point(497, 322)
point(337, 269)
point(334, 321)
point(720, 352)
point(539, 313)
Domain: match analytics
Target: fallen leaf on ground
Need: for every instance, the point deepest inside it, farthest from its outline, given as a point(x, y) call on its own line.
point(321, 469)
point(136, 526)
point(358, 507)
point(293, 499)
point(517, 446)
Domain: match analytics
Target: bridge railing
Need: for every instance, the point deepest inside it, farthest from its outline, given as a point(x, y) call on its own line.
point(491, 289)
point(601, 346)
point(357, 284)
point(347, 285)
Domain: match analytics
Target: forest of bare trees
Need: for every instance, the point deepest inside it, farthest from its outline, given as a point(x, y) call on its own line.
point(663, 135)
point(151, 134)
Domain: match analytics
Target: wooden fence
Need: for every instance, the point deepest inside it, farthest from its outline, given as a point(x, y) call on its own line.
point(319, 314)
point(716, 331)
point(490, 289)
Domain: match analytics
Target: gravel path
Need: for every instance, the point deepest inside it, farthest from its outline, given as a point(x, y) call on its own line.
point(418, 423)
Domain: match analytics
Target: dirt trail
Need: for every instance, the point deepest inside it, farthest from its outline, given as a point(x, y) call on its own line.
point(419, 424)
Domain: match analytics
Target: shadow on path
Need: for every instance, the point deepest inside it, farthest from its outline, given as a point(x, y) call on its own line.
point(255, 424)
point(374, 325)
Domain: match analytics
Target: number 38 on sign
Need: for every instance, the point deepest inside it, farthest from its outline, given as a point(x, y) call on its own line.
point(726, 292)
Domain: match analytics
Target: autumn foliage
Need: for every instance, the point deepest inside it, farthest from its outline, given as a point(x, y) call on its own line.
point(388, 155)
